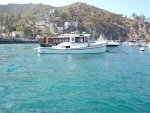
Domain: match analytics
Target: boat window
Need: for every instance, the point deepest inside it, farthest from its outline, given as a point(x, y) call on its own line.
point(66, 40)
point(79, 39)
point(72, 39)
point(50, 40)
point(53, 40)
point(57, 40)
point(86, 39)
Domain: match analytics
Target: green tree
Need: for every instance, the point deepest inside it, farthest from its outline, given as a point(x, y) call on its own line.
point(8, 24)
point(27, 31)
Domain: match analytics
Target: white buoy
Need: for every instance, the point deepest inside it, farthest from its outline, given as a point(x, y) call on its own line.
point(142, 49)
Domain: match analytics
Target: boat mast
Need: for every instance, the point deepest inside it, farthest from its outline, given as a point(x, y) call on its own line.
point(139, 34)
point(0, 27)
point(131, 31)
point(50, 25)
point(76, 25)
point(93, 32)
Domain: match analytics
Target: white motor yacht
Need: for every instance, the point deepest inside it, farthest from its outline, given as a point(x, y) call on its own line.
point(78, 44)
point(110, 44)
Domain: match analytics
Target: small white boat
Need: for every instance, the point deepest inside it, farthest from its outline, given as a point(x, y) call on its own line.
point(142, 49)
point(110, 44)
point(133, 43)
point(148, 45)
point(78, 44)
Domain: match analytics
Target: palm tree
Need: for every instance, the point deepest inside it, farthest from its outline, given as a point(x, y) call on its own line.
point(27, 31)
point(32, 26)
point(8, 21)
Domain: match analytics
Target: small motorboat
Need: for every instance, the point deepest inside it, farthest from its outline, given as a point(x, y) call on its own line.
point(110, 44)
point(142, 49)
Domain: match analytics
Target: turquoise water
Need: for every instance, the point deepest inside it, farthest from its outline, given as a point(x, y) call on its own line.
point(115, 82)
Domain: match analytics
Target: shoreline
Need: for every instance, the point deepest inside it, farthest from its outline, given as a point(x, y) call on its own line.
point(8, 41)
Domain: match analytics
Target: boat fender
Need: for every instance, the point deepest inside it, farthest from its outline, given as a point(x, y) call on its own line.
point(88, 45)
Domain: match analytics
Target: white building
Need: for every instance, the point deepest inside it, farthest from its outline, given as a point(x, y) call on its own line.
point(68, 24)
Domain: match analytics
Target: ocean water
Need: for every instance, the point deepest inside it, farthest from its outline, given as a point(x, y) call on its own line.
point(113, 82)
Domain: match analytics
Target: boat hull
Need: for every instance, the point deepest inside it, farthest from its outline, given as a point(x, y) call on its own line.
point(111, 47)
point(92, 49)
point(134, 44)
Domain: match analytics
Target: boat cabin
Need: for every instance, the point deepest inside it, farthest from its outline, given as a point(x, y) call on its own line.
point(76, 41)
point(54, 40)
point(81, 38)
point(73, 38)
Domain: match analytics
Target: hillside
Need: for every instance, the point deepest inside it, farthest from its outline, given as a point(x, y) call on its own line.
point(90, 19)
point(26, 9)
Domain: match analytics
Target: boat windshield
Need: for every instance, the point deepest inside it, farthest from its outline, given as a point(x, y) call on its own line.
point(81, 39)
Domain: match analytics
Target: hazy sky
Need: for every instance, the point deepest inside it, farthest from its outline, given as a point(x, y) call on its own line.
point(125, 7)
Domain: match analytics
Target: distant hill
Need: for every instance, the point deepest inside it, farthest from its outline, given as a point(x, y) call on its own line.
point(89, 18)
point(29, 9)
